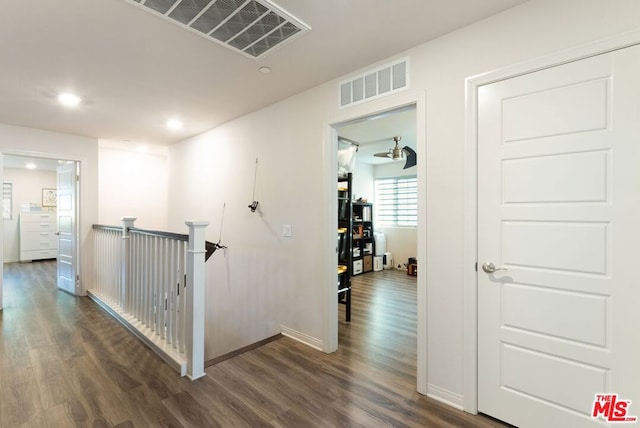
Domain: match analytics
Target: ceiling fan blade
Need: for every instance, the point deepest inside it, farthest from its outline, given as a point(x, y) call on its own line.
point(412, 157)
point(379, 140)
point(382, 155)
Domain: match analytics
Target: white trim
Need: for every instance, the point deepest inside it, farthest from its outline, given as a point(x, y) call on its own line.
point(470, 356)
point(330, 146)
point(421, 150)
point(313, 342)
point(445, 396)
point(470, 256)
point(329, 297)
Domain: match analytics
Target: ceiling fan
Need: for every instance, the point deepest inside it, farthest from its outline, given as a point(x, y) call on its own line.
point(398, 152)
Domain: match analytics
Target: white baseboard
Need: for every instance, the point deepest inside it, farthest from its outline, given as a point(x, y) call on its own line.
point(301, 337)
point(444, 396)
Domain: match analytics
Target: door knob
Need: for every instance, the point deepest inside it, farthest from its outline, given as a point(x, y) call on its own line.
point(489, 267)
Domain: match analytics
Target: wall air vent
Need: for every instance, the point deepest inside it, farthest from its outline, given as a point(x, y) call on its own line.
point(253, 28)
point(376, 83)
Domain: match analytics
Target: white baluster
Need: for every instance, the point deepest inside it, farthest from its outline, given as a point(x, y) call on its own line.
point(183, 298)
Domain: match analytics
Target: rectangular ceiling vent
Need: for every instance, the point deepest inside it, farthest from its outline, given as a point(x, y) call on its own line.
point(253, 28)
point(376, 83)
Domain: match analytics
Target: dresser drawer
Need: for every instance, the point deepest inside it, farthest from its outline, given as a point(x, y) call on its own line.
point(38, 226)
point(38, 240)
point(37, 217)
point(38, 254)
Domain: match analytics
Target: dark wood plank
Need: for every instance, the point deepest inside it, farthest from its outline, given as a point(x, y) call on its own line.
point(65, 362)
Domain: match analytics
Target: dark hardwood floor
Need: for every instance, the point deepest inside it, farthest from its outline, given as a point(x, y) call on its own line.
point(64, 363)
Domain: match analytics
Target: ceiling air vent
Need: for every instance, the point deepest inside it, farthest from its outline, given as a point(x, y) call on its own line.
point(252, 27)
point(376, 83)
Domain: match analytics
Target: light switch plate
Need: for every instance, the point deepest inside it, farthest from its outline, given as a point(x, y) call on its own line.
point(286, 230)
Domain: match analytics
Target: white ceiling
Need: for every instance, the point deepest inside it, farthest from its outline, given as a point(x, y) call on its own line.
point(375, 134)
point(21, 162)
point(135, 70)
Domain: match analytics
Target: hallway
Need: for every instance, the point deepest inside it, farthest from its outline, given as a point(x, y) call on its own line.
point(64, 362)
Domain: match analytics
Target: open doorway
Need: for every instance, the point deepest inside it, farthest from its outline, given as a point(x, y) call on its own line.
point(32, 229)
point(382, 236)
point(387, 181)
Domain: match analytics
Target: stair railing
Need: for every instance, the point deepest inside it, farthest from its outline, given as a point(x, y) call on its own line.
point(153, 283)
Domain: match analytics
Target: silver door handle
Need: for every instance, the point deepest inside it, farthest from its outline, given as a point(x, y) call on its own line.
point(489, 267)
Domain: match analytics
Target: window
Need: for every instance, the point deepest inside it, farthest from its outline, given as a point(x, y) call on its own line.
point(7, 200)
point(397, 202)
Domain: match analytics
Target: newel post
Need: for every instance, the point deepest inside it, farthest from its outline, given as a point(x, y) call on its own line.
point(125, 272)
point(195, 299)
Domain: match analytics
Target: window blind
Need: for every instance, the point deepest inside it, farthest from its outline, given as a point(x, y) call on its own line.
point(396, 202)
point(7, 200)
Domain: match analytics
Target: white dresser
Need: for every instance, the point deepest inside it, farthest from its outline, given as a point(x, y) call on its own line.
point(38, 239)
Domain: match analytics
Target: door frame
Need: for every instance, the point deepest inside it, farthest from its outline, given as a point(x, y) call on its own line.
point(46, 155)
point(470, 322)
point(330, 159)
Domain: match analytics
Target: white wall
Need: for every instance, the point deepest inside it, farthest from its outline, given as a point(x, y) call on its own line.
point(133, 183)
point(27, 188)
point(402, 243)
point(26, 141)
point(265, 280)
point(280, 279)
point(362, 181)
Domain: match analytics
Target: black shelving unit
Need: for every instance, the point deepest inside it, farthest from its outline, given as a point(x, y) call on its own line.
point(345, 242)
point(363, 247)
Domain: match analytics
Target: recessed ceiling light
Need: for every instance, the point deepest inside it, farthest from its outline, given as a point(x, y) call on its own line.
point(265, 70)
point(174, 124)
point(30, 165)
point(68, 99)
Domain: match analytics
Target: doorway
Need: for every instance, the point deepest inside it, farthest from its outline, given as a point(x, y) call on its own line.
point(31, 229)
point(416, 104)
point(380, 153)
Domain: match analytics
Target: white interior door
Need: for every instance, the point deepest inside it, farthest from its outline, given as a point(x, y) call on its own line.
point(559, 209)
point(67, 228)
